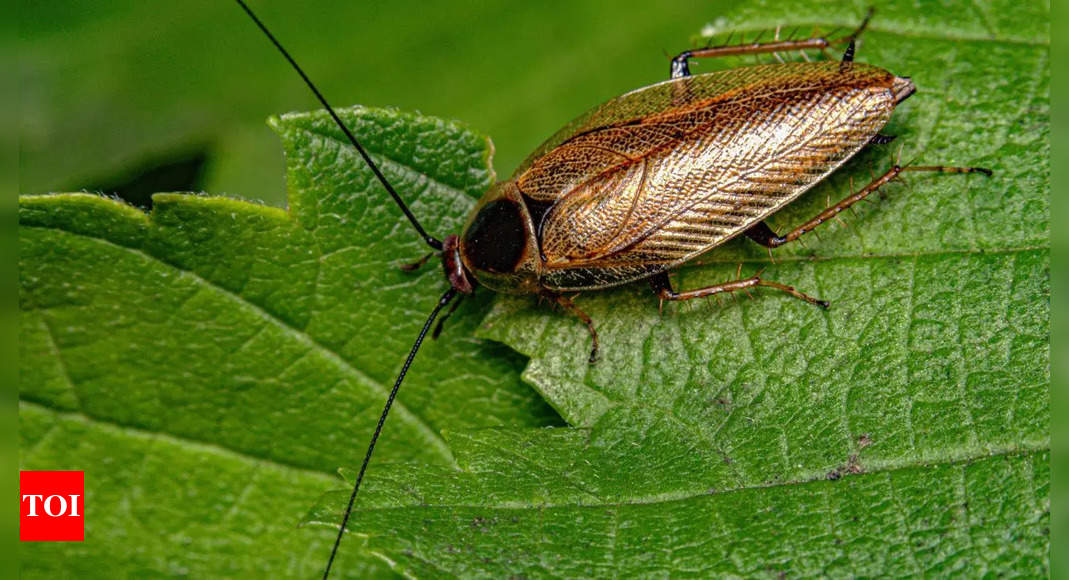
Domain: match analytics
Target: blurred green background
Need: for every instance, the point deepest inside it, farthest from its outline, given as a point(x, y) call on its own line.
point(152, 96)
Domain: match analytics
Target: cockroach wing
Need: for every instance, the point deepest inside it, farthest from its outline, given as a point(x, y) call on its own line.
point(660, 175)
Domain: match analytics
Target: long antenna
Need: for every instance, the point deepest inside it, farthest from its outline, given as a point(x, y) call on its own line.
point(442, 302)
point(429, 239)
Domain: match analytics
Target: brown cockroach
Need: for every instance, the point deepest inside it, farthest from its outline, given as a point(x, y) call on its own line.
point(658, 176)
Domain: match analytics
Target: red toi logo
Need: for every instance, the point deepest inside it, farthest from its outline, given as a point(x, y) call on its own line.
point(51, 506)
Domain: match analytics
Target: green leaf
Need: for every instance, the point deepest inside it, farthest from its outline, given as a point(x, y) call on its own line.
point(904, 431)
point(247, 349)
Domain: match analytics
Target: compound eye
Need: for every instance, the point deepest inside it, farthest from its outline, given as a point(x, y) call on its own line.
point(496, 238)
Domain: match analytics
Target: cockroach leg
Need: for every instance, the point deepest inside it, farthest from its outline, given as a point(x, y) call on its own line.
point(441, 321)
point(567, 304)
point(882, 139)
point(861, 27)
point(663, 287)
point(413, 266)
point(848, 56)
point(945, 169)
point(764, 235)
point(681, 63)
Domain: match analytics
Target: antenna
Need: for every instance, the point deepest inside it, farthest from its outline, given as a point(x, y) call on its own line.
point(429, 239)
point(442, 302)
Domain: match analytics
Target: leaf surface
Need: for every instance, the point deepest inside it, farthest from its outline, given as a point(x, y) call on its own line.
point(271, 337)
point(764, 436)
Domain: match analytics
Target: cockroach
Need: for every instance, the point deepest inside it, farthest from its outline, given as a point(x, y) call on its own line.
point(658, 176)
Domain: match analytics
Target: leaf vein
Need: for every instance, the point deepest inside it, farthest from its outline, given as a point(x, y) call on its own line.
point(434, 438)
point(1026, 448)
point(185, 442)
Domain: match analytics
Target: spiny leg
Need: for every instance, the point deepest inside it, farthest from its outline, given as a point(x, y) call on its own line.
point(663, 287)
point(681, 63)
point(762, 234)
point(441, 321)
point(567, 304)
point(848, 55)
point(413, 266)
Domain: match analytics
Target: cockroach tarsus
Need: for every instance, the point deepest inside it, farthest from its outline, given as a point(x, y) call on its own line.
point(656, 177)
